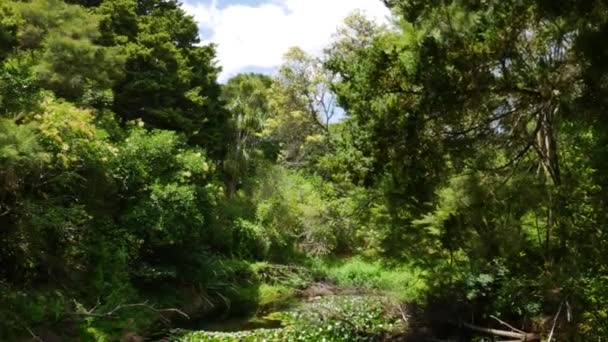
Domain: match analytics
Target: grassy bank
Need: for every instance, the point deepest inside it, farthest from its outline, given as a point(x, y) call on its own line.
point(402, 282)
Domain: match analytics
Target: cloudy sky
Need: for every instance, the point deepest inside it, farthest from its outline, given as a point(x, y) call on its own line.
point(253, 35)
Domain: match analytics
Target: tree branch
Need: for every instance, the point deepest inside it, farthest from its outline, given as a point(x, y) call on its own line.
point(483, 124)
point(520, 155)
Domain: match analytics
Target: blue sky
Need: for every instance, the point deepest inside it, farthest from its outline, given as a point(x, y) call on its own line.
point(253, 35)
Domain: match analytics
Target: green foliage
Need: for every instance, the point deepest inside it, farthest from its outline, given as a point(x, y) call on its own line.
point(301, 107)
point(348, 164)
point(472, 134)
point(467, 176)
point(169, 80)
point(63, 37)
point(291, 208)
point(19, 90)
point(594, 319)
point(9, 24)
point(69, 134)
point(20, 147)
point(246, 97)
point(91, 206)
point(43, 308)
point(345, 318)
point(169, 216)
point(63, 228)
point(251, 240)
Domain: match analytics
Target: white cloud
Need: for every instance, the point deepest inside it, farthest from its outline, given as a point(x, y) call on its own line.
point(258, 36)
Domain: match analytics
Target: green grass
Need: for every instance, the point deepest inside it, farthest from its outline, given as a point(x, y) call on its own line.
point(404, 282)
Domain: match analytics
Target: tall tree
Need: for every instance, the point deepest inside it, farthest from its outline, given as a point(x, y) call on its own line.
point(170, 81)
point(302, 107)
point(246, 97)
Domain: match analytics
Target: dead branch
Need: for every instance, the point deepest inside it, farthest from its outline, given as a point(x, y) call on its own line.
point(506, 324)
point(403, 314)
point(34, 336)
point(554, 322)
point(92, 313)
point(521, 337)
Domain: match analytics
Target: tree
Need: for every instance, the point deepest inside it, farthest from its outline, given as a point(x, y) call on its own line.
point(170, 82)
point(373, 89)
point(67, 59)
point(246, 96)
point(302, 107)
